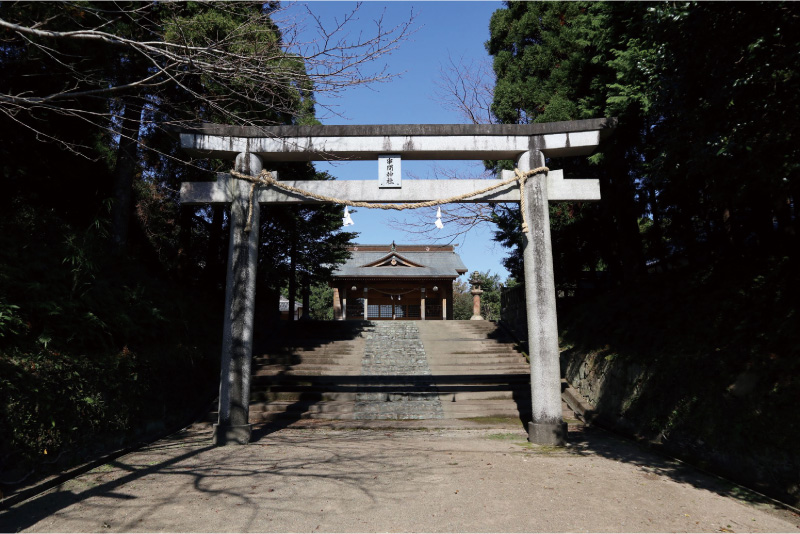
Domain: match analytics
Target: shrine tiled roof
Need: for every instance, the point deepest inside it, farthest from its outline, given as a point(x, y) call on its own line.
point(401, 261)
point(283, 304)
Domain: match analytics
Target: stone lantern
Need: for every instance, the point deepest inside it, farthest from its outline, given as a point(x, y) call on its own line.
point(476, 293)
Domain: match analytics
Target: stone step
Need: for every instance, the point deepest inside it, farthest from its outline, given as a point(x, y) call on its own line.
point(328, 351)
point(409, 395)
point(295, 358)
point(462, 347)
point(303, 407)
point(344, 348)
point(314, 343)
point(385, 411)
point(329, 413)
point(320, 344)
point(503, 373)
point(299, 368)
point(469, 358)
point(476, 341)
point(477, 356)
point(267, 417)
point(321, 395)
point(457, 366)
point(318, 393)
point(307, 353)
point(496, 405)
point(511, 373)
point(300, 365)
point(298, 374)
point(475, 338)
point(302, 358)
point(441, 374)
point(465, 396)
point(482, 411)
point(461, 369)
point(486, 329)
point(477, 380)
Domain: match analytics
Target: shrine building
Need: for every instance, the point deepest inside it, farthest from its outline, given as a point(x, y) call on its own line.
point(412, 282)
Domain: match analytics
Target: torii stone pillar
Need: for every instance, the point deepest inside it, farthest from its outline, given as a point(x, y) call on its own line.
point(547, 425)
point(233, 425)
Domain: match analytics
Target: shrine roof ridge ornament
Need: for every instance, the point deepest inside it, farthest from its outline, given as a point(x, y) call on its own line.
point(374, 247)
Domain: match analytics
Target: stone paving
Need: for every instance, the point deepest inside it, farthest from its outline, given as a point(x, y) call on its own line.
point(393, 381)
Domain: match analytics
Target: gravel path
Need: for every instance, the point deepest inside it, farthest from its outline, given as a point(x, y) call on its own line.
point(388, 479)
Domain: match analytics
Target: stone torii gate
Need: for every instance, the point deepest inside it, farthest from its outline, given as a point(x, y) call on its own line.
point(528, 145)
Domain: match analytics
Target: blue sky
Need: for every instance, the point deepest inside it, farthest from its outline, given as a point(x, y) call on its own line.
point(443, 30)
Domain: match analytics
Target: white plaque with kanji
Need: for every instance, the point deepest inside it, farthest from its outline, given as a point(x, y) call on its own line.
point(389, 174)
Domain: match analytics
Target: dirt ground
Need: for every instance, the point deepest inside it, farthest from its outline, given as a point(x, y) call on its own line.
point(389, 479)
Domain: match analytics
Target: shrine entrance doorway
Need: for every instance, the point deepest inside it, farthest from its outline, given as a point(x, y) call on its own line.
point(382, 303)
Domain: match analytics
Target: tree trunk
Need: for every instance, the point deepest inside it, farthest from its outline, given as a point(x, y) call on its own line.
point(293, 270)
point(659, 250)
point(124, 171)
point(620, 195)
point(306, 298)
point(215, 263)
point(185, 240)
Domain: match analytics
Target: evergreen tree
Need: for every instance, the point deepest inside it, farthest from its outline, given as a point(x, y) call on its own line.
point(702, 163)
point(300, 245)
point(545, 61)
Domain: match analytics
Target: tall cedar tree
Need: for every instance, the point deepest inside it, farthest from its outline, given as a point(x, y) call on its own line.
point(703, 165)
point(543, 61)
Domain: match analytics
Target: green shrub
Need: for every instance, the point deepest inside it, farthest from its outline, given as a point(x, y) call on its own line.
point(92, 350)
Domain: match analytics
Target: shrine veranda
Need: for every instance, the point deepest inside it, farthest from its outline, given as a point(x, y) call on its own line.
point(252, 149)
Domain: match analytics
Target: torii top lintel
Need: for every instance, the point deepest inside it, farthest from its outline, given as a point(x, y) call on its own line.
point(411, 141)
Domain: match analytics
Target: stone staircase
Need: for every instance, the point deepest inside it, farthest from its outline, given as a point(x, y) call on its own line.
point(478, 371)
point(390, 370)
point(396, 380)
point(311, 370)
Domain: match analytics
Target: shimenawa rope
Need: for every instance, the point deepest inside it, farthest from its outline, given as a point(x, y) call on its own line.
point(266, 178)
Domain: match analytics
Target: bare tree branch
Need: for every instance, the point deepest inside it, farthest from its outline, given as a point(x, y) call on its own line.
point(467, 88)
point(246, 65)
point(458, 219)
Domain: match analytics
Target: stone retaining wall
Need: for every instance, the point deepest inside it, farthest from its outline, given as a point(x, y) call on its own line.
point(608, 384)
point(623, 396)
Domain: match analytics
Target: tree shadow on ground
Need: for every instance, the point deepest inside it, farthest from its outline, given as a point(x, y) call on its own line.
point(239, 474)
point(595, 441)
point(37, 508)
point(243, 482)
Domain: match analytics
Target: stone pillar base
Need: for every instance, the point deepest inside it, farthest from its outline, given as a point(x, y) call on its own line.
point(231, 435)
point(548, 433)
point(476, 318)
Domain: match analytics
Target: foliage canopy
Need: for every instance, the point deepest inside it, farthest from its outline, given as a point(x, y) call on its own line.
point(703, 165)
